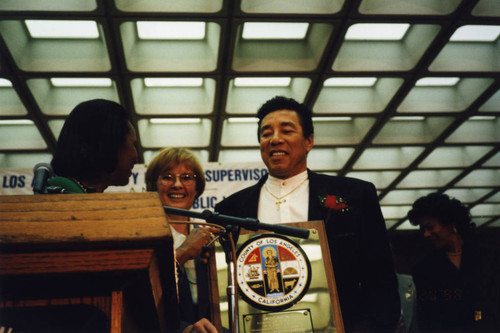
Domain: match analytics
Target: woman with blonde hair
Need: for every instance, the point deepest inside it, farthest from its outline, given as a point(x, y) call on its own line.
point(176, 174)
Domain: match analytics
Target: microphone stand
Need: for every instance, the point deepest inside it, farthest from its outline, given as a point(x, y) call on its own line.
point(232, 290)
point(229, 222)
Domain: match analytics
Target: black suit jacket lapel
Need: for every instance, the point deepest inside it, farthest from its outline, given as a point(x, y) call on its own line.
point(252, 204)
point(316, 188)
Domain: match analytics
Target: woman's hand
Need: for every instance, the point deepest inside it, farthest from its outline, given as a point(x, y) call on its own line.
point(201, 326)
point(193, 245)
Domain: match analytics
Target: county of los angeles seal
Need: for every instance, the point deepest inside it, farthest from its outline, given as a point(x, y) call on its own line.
point(273, 272)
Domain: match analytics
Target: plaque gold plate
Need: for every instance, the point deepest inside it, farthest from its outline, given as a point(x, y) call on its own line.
point(294, 321)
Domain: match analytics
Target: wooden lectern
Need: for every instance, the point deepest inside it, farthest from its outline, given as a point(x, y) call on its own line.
point(86, 263)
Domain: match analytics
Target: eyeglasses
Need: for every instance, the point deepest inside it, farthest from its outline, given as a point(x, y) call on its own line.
point(185, 178)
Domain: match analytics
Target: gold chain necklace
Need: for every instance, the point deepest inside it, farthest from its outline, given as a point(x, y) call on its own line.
point(279, 202)
point(83, 187)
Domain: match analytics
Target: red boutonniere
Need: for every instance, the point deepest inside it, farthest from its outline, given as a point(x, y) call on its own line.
point(334, 203)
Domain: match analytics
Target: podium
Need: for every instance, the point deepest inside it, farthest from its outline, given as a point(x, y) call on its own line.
point(86, 263)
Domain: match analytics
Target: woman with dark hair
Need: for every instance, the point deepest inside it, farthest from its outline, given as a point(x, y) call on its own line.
point(95, 149)
point(458, 283)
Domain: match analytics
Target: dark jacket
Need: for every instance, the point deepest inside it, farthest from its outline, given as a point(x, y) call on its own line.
point(361, 256)
point(190, 312)
point(465, 299)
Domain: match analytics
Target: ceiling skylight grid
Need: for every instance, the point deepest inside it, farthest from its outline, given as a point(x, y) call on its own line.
point(404, 93)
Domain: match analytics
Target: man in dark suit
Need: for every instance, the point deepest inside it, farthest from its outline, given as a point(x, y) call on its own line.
point(361, 256)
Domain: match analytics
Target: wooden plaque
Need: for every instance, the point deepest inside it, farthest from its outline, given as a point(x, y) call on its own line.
point(323, 280)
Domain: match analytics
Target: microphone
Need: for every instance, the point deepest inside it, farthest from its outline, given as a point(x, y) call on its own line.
point(41, 172)
point(247, 223)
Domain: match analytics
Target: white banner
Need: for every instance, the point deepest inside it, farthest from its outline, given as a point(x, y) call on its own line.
point(222, 180)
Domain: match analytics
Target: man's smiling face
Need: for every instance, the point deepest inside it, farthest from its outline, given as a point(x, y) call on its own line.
point(282, 144)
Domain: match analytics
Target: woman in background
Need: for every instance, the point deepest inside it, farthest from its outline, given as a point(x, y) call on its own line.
point(458, 283)
point(177, 175)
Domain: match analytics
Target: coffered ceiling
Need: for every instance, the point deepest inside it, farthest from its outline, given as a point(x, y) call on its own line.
point(405, 93)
